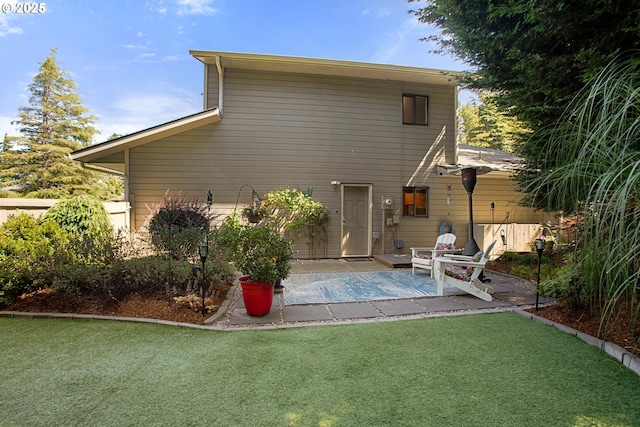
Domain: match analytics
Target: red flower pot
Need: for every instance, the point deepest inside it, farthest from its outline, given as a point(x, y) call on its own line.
point(257, 296)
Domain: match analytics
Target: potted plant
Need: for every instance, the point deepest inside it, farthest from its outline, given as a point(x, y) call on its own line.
point(263, 256)
point(255, 212)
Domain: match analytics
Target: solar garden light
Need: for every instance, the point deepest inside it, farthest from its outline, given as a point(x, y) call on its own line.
point(203, 249)
point(540, 243)
point(195, 269)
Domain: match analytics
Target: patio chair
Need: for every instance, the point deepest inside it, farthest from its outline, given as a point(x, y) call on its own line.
point(422, 257)
point(463, 273)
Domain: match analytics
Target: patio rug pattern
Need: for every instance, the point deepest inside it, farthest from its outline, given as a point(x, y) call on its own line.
point(319, 288)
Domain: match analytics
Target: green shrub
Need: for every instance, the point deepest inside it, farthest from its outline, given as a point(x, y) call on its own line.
point(177, 226)
point(88, 222)
point(567, 284)
point(292, 211)
point(528, 258)
point(123, 277)
point(146, 274)
point(523, 271)
point(81, 278)
point(157, 274)
point(218, 270)
point(508, 256)
point(227, 237)
point(262, 253)
point(31, 252)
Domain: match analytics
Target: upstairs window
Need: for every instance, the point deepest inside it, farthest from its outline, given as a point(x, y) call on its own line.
point(415, 109)
point(415, 201)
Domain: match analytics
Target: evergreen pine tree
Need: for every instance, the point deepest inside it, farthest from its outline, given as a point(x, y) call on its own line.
point(35, 164)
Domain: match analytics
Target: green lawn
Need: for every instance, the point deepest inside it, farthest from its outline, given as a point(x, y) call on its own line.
point(484, 370)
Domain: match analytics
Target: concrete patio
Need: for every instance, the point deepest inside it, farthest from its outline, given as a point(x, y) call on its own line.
point(510, 293)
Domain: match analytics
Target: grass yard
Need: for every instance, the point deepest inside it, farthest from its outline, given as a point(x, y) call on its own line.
point(482, 370)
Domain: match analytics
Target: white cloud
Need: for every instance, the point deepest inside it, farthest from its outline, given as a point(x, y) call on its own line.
point(145, 56)
point(196, 7)
point(152, 58)
point(378, 13)
point(404, 46)
point(6, 127)
point(396, 41)
point(6, 28)
point(141, 111)
point(134, 46)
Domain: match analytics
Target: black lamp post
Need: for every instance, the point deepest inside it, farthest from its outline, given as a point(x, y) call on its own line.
point(203, 249)
point(540, 243)
point(469, 179)
point(209, 203)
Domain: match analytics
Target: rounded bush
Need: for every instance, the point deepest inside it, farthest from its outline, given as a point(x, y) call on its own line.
point(178, 226)
point(31, 251)
point(82, 216)
point(86, 219)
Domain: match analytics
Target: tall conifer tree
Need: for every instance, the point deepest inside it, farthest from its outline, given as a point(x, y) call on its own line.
point(55, 123)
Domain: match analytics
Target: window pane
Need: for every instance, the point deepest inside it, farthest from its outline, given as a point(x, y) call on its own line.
point(421, 110)
point(421, 202)
point(407, 201)
point(408, 109)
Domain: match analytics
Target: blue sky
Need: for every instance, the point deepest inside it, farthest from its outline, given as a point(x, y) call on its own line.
point(130, 58)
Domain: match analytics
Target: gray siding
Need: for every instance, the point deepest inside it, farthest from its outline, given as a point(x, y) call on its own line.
point(287, 130)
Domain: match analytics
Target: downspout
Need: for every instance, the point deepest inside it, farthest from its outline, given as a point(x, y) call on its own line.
point(205, 93)
point(455, 125)
point(220, 84)
point(130, 218)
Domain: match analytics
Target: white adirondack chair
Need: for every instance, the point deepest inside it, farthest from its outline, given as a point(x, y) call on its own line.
point(422, 257)
point(463, 272)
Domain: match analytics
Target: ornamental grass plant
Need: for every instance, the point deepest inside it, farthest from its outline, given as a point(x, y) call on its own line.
point(599, 180)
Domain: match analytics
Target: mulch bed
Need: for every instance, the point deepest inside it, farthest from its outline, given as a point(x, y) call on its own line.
point(151, 306)
point(160, 306)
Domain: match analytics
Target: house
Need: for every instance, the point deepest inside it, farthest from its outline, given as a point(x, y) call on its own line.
point(375, 143)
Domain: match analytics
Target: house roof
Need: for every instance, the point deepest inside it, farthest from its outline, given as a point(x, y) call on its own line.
point(110, 154)
point(327, 67)
point(485, 159)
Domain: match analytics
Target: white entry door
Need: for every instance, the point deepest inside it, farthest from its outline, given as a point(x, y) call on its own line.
point(356, 220)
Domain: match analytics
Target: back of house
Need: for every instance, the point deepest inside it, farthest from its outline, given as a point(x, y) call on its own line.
point(375, 144)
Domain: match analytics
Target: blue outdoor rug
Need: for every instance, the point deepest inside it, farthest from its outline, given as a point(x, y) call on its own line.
point(318, 288)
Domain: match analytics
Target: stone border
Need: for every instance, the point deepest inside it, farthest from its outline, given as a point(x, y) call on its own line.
point(627, 359)
point(222, 310)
